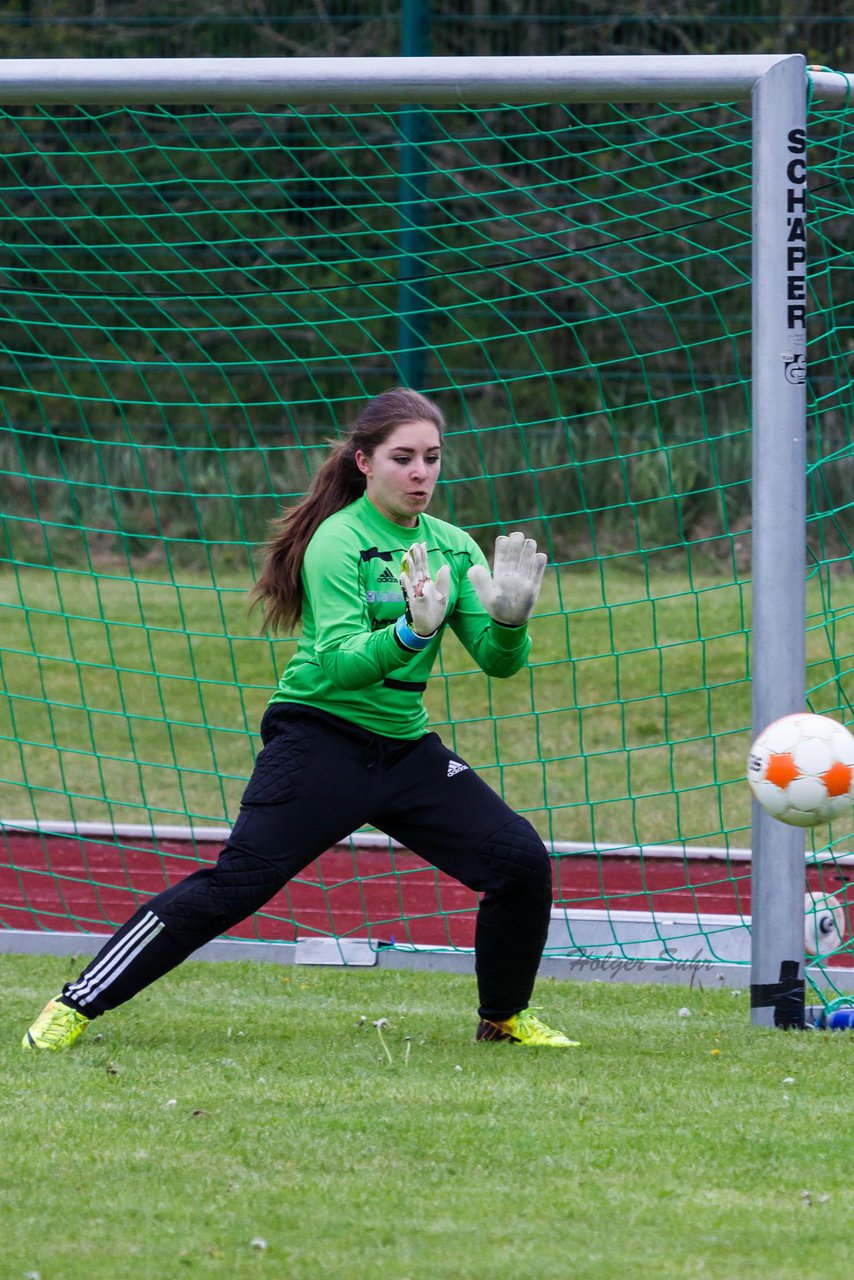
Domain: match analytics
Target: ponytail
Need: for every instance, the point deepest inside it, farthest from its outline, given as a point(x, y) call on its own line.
point(279, 589)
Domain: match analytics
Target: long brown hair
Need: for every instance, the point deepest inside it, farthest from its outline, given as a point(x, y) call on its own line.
point(338, 483)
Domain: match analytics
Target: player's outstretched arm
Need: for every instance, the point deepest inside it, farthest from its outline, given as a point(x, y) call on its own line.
point(509, 594)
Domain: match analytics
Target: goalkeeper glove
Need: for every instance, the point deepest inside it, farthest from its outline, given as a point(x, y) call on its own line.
point(426, 600)
point(510, 593)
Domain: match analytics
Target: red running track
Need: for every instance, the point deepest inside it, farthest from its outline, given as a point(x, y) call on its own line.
point(75, 884)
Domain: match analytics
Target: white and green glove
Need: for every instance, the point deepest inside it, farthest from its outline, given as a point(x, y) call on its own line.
point(509, 593)
point(426, 599)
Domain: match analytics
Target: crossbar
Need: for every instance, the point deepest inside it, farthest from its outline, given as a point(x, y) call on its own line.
point(301, 81)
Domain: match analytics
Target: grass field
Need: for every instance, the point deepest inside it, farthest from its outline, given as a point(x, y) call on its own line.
point(233, 1104)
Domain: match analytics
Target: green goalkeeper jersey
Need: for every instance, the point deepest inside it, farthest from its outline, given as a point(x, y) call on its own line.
point(349, 660)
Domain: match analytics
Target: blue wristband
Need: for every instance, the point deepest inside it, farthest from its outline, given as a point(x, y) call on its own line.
point(408, 638)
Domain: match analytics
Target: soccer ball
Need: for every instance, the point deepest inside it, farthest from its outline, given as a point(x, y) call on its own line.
point(825, 923)
point(801, 769)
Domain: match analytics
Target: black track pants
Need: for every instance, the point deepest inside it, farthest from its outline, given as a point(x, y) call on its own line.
point(317, 779)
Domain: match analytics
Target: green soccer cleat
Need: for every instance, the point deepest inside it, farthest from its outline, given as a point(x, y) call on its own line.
point(56, 1027)
point(524, 1028)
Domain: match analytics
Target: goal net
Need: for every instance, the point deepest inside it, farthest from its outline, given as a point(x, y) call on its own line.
point(195, 299)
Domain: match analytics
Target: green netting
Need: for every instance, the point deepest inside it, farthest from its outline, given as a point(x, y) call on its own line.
point(194, 300)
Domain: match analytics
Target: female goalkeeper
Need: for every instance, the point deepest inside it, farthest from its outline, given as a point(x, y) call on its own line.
point(375, 582)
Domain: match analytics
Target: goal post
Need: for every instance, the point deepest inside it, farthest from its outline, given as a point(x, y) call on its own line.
point(779, 518)
point(425, 81)
point(774, 91)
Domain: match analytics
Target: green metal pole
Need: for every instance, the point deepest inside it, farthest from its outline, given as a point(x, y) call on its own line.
point(412, 300)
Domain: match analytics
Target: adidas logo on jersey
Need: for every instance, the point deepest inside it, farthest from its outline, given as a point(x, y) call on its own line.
point(387, 576)
point(455, 767)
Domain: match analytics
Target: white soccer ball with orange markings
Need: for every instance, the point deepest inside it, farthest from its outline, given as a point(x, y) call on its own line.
point(801, 769)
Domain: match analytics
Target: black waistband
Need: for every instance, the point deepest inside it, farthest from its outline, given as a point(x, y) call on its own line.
point(277, 712)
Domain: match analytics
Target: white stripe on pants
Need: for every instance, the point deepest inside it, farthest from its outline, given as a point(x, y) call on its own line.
point(105, 971)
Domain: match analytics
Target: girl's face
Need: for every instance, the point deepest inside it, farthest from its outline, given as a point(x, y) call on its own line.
point(401, 473)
